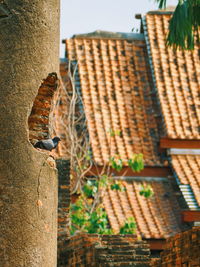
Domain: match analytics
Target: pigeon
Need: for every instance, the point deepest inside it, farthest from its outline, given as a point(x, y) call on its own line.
point(48, 144)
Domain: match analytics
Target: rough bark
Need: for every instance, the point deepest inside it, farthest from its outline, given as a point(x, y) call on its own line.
point(29, 40)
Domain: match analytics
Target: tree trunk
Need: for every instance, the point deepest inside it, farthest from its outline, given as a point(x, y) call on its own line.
point(29, 41)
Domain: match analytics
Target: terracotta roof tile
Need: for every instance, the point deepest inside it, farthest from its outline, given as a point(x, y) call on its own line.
point(187, 168)
point(177, 75)
point(117, 93)
point(156, 217)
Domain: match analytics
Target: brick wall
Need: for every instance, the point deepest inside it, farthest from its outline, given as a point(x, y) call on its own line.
point(60, 113)
point(90, 250)
point(77, 251)
point(63, 167)
point(121, 250)
point(38, 121)
point(181, 250)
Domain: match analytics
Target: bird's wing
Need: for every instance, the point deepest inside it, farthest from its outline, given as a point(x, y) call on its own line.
point(48, 144)
point(38, 145)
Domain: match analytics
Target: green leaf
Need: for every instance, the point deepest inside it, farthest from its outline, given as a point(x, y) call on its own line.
point(161, 3)
point(88, 190)
point(129, 226)
point(75, 207)
point(115, 186)
point(103, 181)
point(116, 163)
point(136, 162)
point(181, 32)
point(111, 132)
point(146, 191)
point(88, 155)
point(118, 132)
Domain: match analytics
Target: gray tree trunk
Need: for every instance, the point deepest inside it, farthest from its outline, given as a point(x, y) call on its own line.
point(29, 50)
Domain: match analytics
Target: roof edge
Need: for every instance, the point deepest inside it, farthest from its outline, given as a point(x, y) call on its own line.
point(169, 10)
point(160, 12)
point(110, 35)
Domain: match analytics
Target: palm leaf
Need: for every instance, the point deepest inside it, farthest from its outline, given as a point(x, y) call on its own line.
point(184, 25)
point(161, 3)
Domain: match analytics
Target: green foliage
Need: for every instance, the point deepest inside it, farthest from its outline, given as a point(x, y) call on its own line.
point(181, 27)
point(136, 162)
point(146, 191)
point(114, 132)
point(84, 217)
point(84, 220)
point(161, 3)
point(184, 24)
point(90, 188)
point(116, 163)
point(98, 222)
point(87, 214)
point(103, 181)
point(117, 185)
point(129, 226)
point(88, 155)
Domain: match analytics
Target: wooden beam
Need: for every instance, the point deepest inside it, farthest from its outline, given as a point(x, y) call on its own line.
point(179, 143)
point(190, 215)
point(127, 171)
point(156, 244)
point(144, 178)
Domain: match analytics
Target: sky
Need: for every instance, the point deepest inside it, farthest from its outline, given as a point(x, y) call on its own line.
point(83, 16)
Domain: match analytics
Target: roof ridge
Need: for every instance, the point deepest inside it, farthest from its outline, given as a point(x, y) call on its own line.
point(110, 35)
point(160, 12)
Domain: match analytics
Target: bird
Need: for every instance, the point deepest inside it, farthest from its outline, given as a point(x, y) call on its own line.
point(48, 144)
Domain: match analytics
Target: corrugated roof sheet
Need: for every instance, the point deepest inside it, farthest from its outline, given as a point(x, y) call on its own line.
point(187, 168)
point(177, 77)
point(117, 91)
point(156, 217)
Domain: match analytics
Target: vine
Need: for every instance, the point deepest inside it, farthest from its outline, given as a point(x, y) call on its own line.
point(87, 214)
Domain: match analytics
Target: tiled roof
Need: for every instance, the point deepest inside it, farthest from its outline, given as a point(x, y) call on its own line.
point(156, 217)
point(116, 86)
point(187, 168)
point(177, 78)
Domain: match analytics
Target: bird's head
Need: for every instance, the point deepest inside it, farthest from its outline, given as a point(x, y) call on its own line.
point(56, 139)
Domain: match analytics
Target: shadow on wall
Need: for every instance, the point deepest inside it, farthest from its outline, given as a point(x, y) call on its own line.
point(39, 119)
